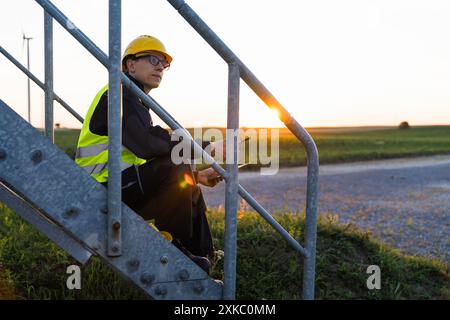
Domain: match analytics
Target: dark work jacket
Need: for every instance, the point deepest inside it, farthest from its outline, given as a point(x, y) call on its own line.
point(139, 135)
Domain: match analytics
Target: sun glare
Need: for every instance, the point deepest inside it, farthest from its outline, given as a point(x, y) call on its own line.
point(265, 117)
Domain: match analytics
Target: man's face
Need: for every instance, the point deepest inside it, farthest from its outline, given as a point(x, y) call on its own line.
point(145, 72)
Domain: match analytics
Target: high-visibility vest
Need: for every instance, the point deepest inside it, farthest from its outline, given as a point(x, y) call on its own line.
point(92, 149)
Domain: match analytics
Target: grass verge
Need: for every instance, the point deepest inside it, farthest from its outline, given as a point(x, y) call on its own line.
point(31, 267)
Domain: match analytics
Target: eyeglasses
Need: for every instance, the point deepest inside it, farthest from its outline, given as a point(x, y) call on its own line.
point(154, 60)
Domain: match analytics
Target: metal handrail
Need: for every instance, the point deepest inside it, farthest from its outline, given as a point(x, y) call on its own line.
point(30, 75)
point(262, 92)
point(312, 154)
point(311, 211)
point(158, 109)
point(48, 88)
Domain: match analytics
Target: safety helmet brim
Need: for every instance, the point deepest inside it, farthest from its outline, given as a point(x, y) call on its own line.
point(145, 44)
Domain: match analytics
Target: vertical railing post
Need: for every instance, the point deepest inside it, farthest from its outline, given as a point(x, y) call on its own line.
point(27, 39)
point(231, 191)
point(114, 132)
point(48, 87)
point(28, 82)
point(312, 191)
point(309, 270)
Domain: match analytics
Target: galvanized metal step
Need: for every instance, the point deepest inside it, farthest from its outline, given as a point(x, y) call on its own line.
point(46, 178)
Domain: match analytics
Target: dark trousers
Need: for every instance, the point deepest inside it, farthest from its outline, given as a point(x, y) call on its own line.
point(167, 193)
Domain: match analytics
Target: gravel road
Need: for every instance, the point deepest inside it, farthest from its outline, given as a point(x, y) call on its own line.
point(404, 202)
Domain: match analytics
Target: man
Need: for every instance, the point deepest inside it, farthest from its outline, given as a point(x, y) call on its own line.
point(152, 185)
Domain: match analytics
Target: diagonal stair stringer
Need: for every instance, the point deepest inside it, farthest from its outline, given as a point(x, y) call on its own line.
point(46, 178)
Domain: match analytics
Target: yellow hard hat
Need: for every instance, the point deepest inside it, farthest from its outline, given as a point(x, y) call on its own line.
point(143, 44)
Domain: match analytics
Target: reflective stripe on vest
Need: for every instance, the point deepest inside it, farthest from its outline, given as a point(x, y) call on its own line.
point(92, 149)
point(91, 154)
point(97, 168)
point(89, 151)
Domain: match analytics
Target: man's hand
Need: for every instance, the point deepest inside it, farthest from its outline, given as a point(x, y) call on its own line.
point(209, 177)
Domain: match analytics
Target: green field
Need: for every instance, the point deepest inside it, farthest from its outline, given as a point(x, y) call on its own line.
point(31, 267)
point(340, 144)
point(268, 268)
point(353, 144)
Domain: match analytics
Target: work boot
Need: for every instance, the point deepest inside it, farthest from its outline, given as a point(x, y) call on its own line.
point(202, 262)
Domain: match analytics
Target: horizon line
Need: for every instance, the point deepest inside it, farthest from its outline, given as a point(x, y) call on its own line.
point(284, 127)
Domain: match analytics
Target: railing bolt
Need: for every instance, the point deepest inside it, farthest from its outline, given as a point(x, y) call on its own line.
point(164, 260)
point(2, 154)
point(72, 212)
point(198, 288)
point(116, 225)
point(161, 291)
point(36, 156)
point(183, 275)
point(133, 265)
point(147, 279)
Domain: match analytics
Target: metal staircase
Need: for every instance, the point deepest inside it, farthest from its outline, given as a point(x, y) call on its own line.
point(43, 185)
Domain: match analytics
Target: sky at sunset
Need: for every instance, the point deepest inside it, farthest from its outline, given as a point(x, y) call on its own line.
point(330, 63)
